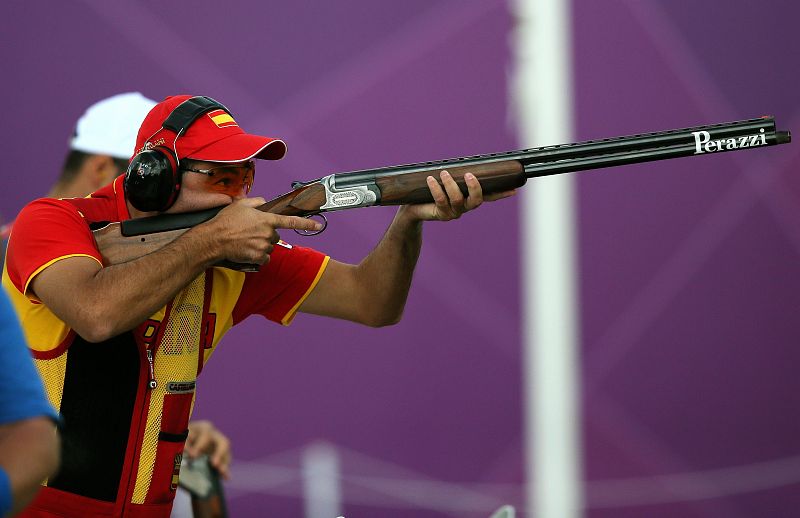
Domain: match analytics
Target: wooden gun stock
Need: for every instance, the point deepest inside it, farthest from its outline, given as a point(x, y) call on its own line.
point(129, 240)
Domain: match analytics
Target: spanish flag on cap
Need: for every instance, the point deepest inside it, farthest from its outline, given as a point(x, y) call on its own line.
point(221, 118)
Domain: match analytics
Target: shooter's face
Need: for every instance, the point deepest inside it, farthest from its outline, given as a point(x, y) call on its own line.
point(211, 184)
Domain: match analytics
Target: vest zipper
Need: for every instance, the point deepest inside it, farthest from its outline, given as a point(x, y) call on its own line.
point(151, 382)
point(142, 414)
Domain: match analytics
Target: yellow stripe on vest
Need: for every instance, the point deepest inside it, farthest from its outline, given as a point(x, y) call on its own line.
point(175, 361)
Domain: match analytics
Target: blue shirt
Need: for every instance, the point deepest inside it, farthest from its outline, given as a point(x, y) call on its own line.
point(21, 391)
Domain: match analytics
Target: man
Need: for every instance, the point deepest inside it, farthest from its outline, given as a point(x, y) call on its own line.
point(123, 345)
point(28, 439)
point(99, 151)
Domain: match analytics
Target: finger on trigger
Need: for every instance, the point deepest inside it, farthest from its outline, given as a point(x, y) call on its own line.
point(296, 223)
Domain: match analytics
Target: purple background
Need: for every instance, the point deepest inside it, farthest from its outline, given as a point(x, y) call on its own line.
point(687, 268)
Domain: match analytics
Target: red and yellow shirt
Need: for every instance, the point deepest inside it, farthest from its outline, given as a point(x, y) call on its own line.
point(122, 439)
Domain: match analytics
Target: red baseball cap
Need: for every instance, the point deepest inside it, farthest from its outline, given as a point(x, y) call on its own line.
point(214, 136)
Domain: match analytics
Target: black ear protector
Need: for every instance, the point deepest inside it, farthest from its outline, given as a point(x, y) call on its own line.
point(153, 178)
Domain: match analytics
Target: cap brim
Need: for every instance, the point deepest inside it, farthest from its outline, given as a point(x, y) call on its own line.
point(241, 147)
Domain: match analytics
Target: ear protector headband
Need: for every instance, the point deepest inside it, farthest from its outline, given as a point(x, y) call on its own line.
point(153, 179)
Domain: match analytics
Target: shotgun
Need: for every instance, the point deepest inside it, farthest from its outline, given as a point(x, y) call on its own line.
point(406, 184)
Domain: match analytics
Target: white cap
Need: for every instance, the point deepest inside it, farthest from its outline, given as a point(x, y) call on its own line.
point(109, 127)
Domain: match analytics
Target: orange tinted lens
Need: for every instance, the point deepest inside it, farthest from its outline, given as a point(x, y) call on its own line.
point(231, 180)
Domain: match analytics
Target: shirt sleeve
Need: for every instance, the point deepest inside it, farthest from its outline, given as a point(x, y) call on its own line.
point(21, 391)
point(46, 231)
point(277, 290)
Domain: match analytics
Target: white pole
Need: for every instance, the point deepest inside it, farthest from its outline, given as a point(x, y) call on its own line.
point(543, 103)
point(321, 477)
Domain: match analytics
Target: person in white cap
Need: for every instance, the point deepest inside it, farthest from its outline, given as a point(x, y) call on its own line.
point(99, 148)
point(121, 344)
point(101, 145)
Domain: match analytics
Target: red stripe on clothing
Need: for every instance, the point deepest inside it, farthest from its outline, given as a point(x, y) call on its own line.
point(58, 350)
